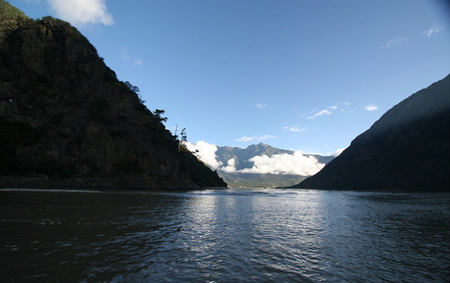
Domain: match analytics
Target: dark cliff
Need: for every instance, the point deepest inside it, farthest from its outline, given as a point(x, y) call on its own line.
point(407, 149)
point(66, 120)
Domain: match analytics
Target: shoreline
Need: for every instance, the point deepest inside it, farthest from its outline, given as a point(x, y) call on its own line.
point(98, 184)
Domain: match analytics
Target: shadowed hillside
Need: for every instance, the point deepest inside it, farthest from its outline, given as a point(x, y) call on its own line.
point(66, 120)
point(407, 149)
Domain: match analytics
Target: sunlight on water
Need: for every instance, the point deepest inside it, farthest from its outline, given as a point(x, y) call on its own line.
point(223, 236)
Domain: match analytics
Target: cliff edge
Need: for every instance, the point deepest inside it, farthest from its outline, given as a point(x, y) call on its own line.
point(67, 121)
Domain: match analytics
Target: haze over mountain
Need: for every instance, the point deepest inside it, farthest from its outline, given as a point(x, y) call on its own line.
point(67, 121)
point(407, 149)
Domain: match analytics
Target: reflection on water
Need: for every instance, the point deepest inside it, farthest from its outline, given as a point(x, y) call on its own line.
point(223, 236)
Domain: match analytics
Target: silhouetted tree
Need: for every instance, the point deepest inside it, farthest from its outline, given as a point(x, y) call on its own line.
point(134, 89)
point(158, 114)
point(183, 135)
point(131, 87)
point(183, 140)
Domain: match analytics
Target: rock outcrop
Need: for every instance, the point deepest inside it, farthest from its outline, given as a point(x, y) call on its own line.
point(407, 149)
point(66, 120)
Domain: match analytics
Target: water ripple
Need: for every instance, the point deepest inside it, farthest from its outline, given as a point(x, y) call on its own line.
point(224, 236)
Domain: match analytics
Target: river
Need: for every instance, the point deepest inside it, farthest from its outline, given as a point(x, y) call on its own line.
point(234, 235)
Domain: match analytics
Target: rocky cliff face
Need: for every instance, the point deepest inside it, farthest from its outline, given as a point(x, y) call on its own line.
point(407, 149)
point(65, 119)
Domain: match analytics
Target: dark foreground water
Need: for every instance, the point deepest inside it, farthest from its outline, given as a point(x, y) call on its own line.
point(223, 236)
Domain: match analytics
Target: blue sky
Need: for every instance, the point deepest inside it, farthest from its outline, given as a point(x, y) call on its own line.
point(299, 75)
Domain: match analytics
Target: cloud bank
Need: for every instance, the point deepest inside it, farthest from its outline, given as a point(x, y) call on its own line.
point(79, 12)
point(206, 152)
point(231, 166)
point(296, 163)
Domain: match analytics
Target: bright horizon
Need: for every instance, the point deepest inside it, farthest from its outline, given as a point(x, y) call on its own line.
point(298, 75)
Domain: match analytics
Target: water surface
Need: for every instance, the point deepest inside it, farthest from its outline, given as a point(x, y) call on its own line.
point(223, 236)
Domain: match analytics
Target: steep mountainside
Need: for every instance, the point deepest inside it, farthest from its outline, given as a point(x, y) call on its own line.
point(407, 149)
point(66, 120)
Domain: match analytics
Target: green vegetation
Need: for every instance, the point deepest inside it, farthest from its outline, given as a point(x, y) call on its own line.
point(9, 12)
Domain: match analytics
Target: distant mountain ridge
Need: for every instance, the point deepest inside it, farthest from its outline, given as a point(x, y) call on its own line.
point(244, 174)
point(243, 155)
point(407, 149)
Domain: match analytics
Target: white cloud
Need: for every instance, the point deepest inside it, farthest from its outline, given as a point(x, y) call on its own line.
point(261, 106)
point(296, 163)
point(339, 106)
point(231, 166)
point(323, 112)
point(139, 62)
point(79, 12)
point(253, 138)
point(206, 152)
point(295, 129)
point(124, 54)
point(320, 113)
point(395, 42)
point(371, 107)
point(432, 31)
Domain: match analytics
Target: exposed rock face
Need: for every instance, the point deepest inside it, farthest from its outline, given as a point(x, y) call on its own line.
point(65, 119)
point(407, 149)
